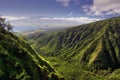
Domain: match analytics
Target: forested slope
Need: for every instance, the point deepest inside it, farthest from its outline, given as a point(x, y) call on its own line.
point(18, 61)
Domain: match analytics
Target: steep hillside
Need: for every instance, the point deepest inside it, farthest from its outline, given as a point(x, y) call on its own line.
point(96, 45)
point(18, 61)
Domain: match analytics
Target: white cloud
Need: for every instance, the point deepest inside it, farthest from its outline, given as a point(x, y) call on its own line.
point(81, 20)
point(64, 2)
point(9, 18)
point(103, 7)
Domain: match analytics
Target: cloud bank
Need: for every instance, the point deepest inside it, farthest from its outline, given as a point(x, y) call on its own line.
point(9, 18)
point(48, 21)
point(80, 20)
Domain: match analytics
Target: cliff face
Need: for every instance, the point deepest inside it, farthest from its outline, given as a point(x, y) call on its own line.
point(96, 44)
point(19, 61)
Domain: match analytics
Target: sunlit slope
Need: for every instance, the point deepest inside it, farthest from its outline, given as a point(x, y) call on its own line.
point(96, 45)
point(18, 61)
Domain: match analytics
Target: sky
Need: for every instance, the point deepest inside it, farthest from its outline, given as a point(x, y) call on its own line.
point(57, 13)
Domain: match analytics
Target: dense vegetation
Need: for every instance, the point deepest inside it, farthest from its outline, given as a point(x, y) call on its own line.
point(92, 47)
point(18, 61)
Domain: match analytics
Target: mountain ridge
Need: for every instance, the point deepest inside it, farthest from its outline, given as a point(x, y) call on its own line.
point(96, 44)
point(18, 61)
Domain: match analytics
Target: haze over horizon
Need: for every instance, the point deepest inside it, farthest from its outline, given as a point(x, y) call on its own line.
point(57, 13)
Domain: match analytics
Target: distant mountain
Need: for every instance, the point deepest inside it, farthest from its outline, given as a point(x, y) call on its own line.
point(18, 61)
point(96, 45)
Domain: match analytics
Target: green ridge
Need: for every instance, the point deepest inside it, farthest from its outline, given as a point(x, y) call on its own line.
point(96, 44)
point(18, 61)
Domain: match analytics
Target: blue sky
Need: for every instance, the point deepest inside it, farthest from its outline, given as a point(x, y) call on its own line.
point(60, 13)
point(47, 8)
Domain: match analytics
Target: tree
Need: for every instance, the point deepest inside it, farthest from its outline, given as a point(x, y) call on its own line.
point(8, 26)
point(5, 25)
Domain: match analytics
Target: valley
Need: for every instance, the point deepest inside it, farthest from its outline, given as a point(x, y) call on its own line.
point(86, 52)
point(59, 39)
